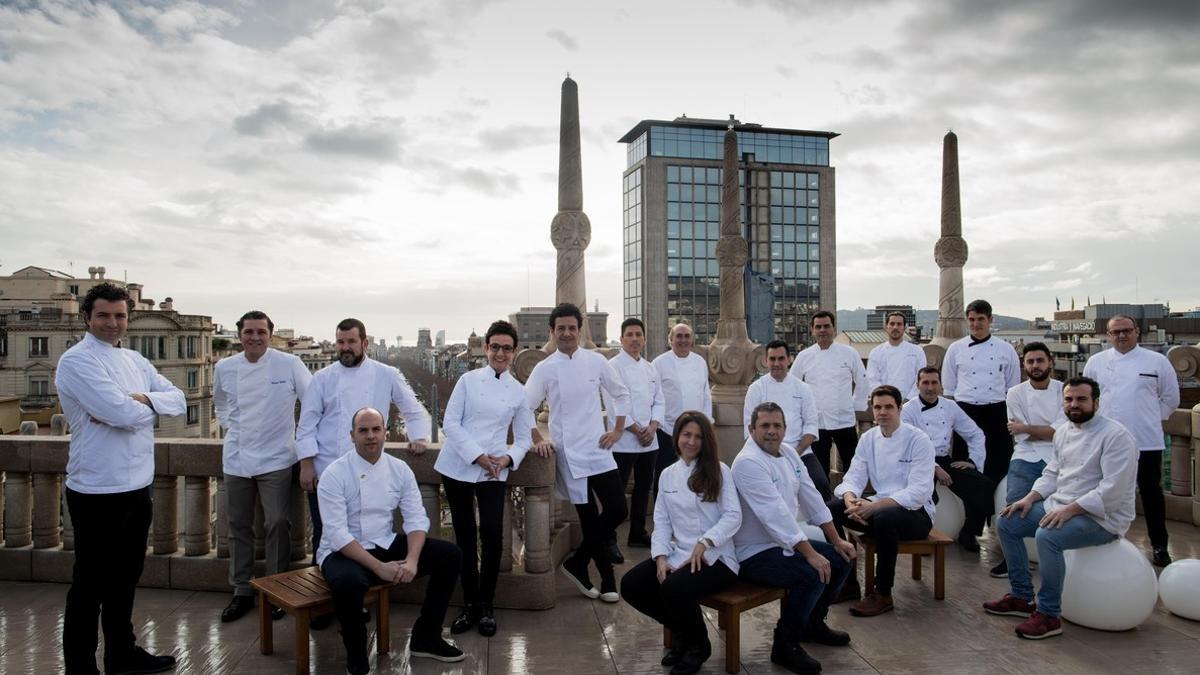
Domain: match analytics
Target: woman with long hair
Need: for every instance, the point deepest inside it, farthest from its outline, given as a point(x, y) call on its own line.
point(691, 551)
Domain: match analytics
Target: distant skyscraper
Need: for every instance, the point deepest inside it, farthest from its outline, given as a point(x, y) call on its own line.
point(877, 318)
point(440, 340)
point(423, 341)
point(672, 185)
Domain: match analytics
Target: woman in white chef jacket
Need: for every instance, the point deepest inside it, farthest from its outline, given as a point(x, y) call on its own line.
point(691, 552)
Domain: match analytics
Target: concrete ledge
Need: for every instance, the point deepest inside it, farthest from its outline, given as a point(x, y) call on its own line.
point(15, 452)
point(53, 564)
point(16, 564)
point(199, 573)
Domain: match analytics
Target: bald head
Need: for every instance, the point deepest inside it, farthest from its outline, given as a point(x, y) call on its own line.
point(681, 339)
point(368, 429)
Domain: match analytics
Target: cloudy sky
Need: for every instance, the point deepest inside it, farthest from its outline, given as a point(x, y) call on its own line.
point(397, 161)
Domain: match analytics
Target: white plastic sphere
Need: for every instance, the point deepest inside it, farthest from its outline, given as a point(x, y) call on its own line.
point(1000, 500)
point(812, 531)
point(1179, 588)
point(1108, 587)
point(949, 514)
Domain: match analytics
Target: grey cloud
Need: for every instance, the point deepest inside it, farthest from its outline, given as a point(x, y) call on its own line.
point(517, 137)
point(364, 141)
point(264, 119)
point(491, 182)
point(561, 37)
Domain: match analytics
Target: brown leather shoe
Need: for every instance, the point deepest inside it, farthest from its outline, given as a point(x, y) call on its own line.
point(872, 605)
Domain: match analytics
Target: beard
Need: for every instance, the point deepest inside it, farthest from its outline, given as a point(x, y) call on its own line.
point(1080, 416)
point(350, 359)
point(1040, 377)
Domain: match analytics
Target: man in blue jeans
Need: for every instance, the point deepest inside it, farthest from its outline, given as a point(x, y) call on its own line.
point(1084, 497)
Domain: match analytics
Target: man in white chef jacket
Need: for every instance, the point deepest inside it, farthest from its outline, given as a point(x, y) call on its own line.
point(1141, 390)
point(255, 394)
point(570, 379)
point(837, 377)
point(683, 375)
point(111, 397)
point(896, 361)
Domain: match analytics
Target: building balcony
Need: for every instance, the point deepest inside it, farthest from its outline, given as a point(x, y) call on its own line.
point(39, 400)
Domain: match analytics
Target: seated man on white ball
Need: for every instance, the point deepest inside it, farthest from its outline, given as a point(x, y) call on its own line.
point(1085, 497)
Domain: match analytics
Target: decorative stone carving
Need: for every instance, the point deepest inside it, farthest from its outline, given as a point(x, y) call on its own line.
point(570, 230)
point(950, 252)
point(1186, 361)
point(732, 252)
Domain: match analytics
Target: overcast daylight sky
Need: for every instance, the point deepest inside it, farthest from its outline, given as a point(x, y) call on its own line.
point(397, 161)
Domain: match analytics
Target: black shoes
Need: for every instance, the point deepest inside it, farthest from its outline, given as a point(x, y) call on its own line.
point(237, 608)
point(674, 654)
point(790, 655)
point(999, 571)
point(487, 621)
point(277, 613)
point(639, 540)
point(967, 541)
point(578, 574)
point(466, 620)
point(434, 647)
point(139, 661)
point(820, 633)
point(693, 657)
point(1161, 557)
point(614, 553)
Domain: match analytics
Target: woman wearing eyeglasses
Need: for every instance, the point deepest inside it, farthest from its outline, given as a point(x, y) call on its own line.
point(474, 463)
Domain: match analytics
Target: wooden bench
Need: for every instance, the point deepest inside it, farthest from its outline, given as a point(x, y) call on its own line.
point(730, 603)
point(304, 594)
point(935, 544)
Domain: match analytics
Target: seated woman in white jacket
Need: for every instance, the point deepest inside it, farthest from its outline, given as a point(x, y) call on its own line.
point(695, 517)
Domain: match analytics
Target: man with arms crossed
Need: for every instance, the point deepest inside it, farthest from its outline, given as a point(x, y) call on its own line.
point(896, 361)
point(837, 377)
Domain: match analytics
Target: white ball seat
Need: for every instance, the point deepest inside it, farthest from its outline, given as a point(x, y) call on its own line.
point(949, 515)
point(1179, 588)
point(1109, 587)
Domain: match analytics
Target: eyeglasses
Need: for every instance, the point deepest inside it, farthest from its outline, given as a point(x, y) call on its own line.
point(508, 349)
point(1122, 332)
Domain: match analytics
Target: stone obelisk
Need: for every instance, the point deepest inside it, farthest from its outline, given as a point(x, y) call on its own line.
point(731, 356)
point(950, 252)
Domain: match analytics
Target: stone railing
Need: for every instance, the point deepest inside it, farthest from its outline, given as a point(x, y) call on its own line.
point(38, 536)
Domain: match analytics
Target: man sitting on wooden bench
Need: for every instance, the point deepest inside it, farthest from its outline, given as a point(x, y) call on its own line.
point(776, 493)
point(897, 459)
point(357, 494)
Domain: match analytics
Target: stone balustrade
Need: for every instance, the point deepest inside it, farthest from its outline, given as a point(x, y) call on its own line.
point(38, 539)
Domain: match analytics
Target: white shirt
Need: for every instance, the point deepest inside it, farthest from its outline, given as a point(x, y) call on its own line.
point(776, 494)
point(112, 435)
point(838, 380)
point(682, 518)
point(980, 372)
point(337, 392)
point(940, 421)
point(900, 467)
point(798, 403)
point(896, 366)
point(256, 403)
point(480, 410)
point(572, 384)
point(1038, 408)
point(357, 499)
point(1139, 389)
point(1094, 465)
point(645, 401)
point(684, 385)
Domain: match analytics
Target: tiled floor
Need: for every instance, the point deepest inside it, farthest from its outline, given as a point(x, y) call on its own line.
point(581, 637)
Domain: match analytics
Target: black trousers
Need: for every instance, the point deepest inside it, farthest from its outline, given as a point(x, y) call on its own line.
point(110, 550)
point(480, 567)
point(1154, 506)
point(888, 528)
point(675, 603)
point(642, 465)
point(846, 441)
point(976, 491)
point(314, 517)
point(818, 475)
point(349, 581)
point(598, 519)
point(992, 419)
point(664, 457)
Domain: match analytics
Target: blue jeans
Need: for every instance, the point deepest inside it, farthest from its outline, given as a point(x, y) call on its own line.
point(1078, 532)
point(808, 599)
point(1021, 477)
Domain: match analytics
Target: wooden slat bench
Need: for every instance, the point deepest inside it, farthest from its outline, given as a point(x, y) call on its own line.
point(730, 603)
point(304, 594)
point(935, 544)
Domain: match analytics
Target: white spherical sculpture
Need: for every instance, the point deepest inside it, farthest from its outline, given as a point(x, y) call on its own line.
point(1000, 500)
point(1179, 588)
point(811, 531)
point(1108, 587)
point(949, 515)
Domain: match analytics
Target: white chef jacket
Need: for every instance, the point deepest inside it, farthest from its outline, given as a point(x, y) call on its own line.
point(776, 493)
point(572, 384)
point(480, 410)
point(940, 421)
point(682, 518)
point(900, 467)
point(112, 435)
point(337, 392)
point(645, 401)
point(1094, 465)
point(838, 380)
point(980, 372)
point(798, 403)
point(256, 403)
point(1139, 389)
point(896, 366)
point(684, 385)
point(1039, 408)
point(357, 499)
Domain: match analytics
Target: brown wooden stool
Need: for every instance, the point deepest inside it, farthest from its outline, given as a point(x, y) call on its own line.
point(935, 544)
point(730, 603)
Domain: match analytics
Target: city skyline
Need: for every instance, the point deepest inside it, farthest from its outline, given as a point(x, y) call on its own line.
point(397, 162)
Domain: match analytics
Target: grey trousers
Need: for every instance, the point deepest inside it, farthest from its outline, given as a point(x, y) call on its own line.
point(274, 489)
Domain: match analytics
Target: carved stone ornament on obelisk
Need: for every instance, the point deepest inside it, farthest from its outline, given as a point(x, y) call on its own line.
point(731, 355)
point(950, 252)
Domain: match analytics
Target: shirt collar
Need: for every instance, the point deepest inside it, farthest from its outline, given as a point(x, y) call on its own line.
point(361, 465)
point(978, 342)
point(929, 406)
point(97, 342)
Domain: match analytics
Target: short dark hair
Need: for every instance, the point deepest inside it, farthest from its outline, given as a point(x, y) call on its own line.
point(566, 309)
point(500, 327)
point(776, 344)
point(632, 321)
point(255, 315)
point(823, 313)
point(766, 407)
point(903, 317)
point(1037, 347)
point(929, 370)
point(104, 291)
point(1080, 380)
point(347, 324)
point(980, 307)
point(886, 390)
